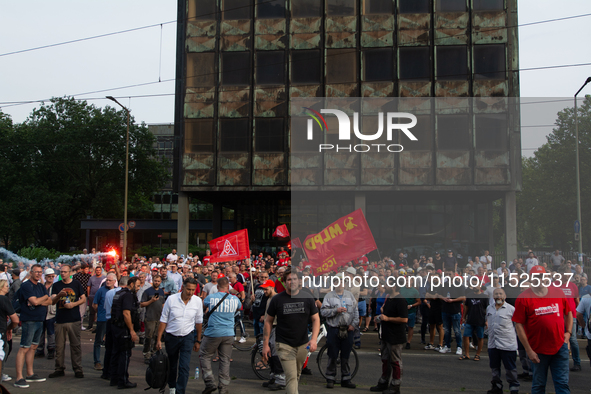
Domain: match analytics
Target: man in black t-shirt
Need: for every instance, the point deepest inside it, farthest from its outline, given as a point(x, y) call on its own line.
point(293, 310)
point(474, 319)
point(6, 311)
point(451, 311)
point(435, 322)
point(393, 321)
point(68, 294)
point(259, 304)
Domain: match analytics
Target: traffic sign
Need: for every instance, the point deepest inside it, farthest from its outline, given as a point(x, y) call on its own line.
point(577, 227)
point(122, 227)
point(131, 224)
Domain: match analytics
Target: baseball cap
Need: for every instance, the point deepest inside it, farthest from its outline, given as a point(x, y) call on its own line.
point(221, 276)
point(450, 251)
point(351, 271)
point(503, 262)
point(537, 269)
point(48, 271)
point(268, 283)
point(401, 265)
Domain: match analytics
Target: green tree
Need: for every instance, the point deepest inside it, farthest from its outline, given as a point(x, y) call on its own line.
point(68, 162)
point(546, 208)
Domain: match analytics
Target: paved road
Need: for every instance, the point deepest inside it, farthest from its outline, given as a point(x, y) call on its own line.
point(424, 372)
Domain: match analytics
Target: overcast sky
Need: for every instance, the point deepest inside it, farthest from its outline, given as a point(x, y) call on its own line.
point(134, 58)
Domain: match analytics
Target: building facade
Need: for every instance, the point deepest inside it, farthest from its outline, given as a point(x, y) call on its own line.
point(241, 64)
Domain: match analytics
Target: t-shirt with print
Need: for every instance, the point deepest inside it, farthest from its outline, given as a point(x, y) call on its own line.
point(476, 305)
point(73, 292)
point(542, 319)
point(394, 333)
point(221, 321)
point(410, 294)
point(451, 291)
point(293, 314)
point(154, 310)
point(32, 313)
point(260, 302)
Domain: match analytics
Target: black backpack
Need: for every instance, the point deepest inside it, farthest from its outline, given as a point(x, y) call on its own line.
point(157, 372)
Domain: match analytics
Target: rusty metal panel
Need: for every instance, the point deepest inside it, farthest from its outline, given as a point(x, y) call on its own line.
point(413, 37)
point(305, 41)
point(378, 169)
point(452, 105)
point(490, 88)
point(201, 28)
point(233, 169)
point(306, 91)
point(341, 168)
point(414, 89)
point(235, 43)
point(342, 39)
point(305, 169)
point(199, 103)
point(453, 159)
point(454, 176)
point(491, 159)
point(270, 102)
point(234, 27)
point(452, 89)
point(377, 89)
point(377, 22)
point(414, 29)
point(342, 90)
point(269, 26)
point(415, 176)
point(489, 27)
point(492, 176)
point(269, 169)
point(341, 24)
point(269, 42)
point(377, 39)
point(198, 169)
point(305, 25)
point(490, 105)
point(270, 34)
point(234, 102)
point(416, 159)
point(200, 44)
point(451, 28)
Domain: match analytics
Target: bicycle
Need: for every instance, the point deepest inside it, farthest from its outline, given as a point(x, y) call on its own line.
point(242, 329)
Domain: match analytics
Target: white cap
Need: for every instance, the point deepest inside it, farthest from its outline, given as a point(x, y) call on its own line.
point(49, 271)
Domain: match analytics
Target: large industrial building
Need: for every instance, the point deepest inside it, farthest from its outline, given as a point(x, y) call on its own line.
point(242, 63)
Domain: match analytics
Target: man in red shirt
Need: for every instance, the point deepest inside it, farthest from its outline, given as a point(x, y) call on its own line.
point(207, 257)
point(543, 321)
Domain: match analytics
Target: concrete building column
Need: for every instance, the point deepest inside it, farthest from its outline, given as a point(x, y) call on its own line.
point(184, 215)
point(360, 202)
point(510, 226)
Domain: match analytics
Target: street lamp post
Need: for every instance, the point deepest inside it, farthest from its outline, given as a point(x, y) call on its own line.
point(124, 249)
point(577, 170)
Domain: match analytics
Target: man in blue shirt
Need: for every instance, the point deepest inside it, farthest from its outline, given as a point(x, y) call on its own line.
point(584, 288)
point(98, 305)
point(219, 336)
point(108, 335)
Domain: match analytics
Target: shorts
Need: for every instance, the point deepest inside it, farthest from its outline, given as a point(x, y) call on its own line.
point(470, 328)
point(362, 308)
point(435, 318)
point(3, 344)
point(31, 333)
point(412, 318)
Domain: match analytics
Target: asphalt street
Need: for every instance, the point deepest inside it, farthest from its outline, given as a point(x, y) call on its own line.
point(423, 372)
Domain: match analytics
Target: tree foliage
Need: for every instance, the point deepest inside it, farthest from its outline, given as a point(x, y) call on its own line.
point(65, 162)
point(547, 206)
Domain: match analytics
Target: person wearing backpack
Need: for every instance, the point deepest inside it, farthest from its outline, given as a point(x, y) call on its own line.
point(182, 316)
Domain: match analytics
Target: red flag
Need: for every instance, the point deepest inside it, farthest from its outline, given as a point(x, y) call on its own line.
point(233, 246)
point(342, 241)
point(281, 232)
point(297, 243)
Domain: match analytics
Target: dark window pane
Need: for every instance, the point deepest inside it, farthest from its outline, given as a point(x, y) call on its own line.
point(271, 9)
point(451, 5)
point(414, 63)
point(235, 68)
point(423, 130)
point(202, 10)
point(341, 66)
point(305, 8)
point(340, 7)
point(270, 68)
point(299, 135)
point(378, 65)
point(453, 132)
point(236, 9)
point(378, 7)
point(452, 62)
point(489, 61)
point(413, 6)
point(305, 66)
point(491, 131)
point(269, 135)
point(201, 69)
point(234, 135)
point(199, 136)
point(489, 5)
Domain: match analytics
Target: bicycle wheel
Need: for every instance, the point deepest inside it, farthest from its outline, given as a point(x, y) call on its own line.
point(244, 341)
point(322, 361)
point(261, 369)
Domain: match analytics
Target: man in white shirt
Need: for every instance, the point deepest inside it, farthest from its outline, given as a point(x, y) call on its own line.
point(531, 261)
point(500, 269)
point(182, 317)
point(486, 261)
point(172, 256)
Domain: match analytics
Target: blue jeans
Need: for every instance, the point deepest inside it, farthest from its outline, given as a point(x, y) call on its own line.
point(258, 326)
point(452, 320)
point(558, 364)
point(574, 345)
point(101, 329)
point(179, 350)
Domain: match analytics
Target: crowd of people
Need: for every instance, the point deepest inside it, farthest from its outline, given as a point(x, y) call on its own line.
point(190, 304)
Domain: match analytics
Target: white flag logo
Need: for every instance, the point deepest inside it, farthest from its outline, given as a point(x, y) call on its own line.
point(229, 249)
point(280, 233)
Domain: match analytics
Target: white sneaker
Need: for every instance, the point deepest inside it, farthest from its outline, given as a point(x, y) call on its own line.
point(172, 391)
point(445, 349)
point(83, 328)
point(242, 340)
point(472, 346)
point(6, 378)
point(459, 351)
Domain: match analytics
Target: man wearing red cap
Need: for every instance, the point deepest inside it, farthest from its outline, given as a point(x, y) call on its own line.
point(543, 321)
